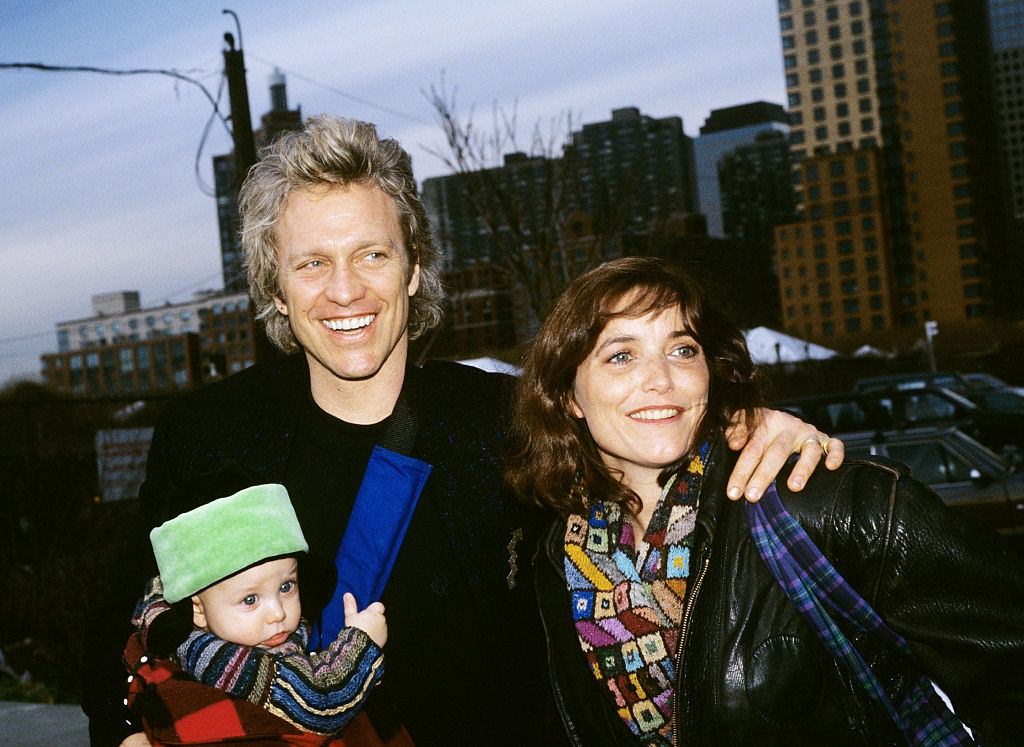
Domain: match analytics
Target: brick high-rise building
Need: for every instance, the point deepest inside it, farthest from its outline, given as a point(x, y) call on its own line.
point(892, 127)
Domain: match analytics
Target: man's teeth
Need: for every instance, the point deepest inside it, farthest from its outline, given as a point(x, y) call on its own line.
point(666, 412)
point(349, 323)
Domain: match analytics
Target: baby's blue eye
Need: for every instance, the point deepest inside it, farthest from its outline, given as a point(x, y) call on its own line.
point(250, 600)
point(287, 586)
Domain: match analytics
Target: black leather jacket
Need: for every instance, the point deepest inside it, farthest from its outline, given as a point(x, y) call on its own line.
point(753, 672)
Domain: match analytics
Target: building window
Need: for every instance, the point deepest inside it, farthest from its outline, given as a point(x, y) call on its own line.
point(875, 303)
point(852, 325)
point(847, 267)
point(794, 99)
point(792, 80)
point(824, 290)
point(825, 308)
point(850, 287)
point(814, 75)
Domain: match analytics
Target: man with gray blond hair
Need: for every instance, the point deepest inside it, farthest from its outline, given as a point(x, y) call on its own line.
point(394, 469)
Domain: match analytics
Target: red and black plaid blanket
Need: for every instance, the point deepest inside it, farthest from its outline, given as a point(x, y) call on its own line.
point(177, 709)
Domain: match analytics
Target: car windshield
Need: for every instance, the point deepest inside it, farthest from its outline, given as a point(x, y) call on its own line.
point(984, 381)
point(997, 400)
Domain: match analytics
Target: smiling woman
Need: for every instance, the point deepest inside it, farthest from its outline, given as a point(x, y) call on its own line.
point(665, 624)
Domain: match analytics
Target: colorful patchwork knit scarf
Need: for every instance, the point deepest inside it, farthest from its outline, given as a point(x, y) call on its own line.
point(627, 600)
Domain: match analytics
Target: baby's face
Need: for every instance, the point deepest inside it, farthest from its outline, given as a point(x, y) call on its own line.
point(256, 607)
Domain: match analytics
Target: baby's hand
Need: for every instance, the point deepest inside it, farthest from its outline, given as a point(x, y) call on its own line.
point(371, 620)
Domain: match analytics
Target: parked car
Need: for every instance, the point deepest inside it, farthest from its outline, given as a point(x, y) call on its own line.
point(947, 379)
point(962, 383)
point(963, 473)
point(996, 422)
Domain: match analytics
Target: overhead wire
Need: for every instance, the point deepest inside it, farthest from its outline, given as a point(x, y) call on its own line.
point(339, 92)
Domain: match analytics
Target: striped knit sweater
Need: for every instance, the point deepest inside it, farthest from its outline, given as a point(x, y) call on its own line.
point(318, 692)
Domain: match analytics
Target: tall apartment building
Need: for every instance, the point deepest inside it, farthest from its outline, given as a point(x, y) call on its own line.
point(892, 128)
point(723, 132)
point(629, 174)
point(274, 122)
point(633, 171)
point(1007, 24)
point(756, 189)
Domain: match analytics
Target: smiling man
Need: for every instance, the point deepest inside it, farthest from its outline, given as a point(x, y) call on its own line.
point(394, 469)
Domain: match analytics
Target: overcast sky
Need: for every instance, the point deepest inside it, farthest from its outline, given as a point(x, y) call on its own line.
point(97, 184)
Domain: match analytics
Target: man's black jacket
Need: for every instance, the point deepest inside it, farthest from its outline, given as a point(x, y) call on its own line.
point(461, 416)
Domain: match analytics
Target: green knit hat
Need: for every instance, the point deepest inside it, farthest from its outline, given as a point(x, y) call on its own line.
point(220, 538)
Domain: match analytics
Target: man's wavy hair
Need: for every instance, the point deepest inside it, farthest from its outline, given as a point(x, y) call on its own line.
point(551, 452)
point(327, 152)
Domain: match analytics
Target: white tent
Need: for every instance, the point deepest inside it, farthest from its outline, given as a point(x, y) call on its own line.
point(492, 365)
point(771, 346)
point(870, 351)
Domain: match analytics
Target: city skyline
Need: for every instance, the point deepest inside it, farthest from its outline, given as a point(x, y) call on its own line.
point(100, 194)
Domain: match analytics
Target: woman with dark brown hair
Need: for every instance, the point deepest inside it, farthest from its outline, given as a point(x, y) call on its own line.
point(664, 623)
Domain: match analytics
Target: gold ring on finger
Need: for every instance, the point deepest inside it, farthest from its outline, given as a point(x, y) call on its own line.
point(811, 440)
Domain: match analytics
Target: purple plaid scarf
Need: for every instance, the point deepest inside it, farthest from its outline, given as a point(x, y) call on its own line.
point(816, 589)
